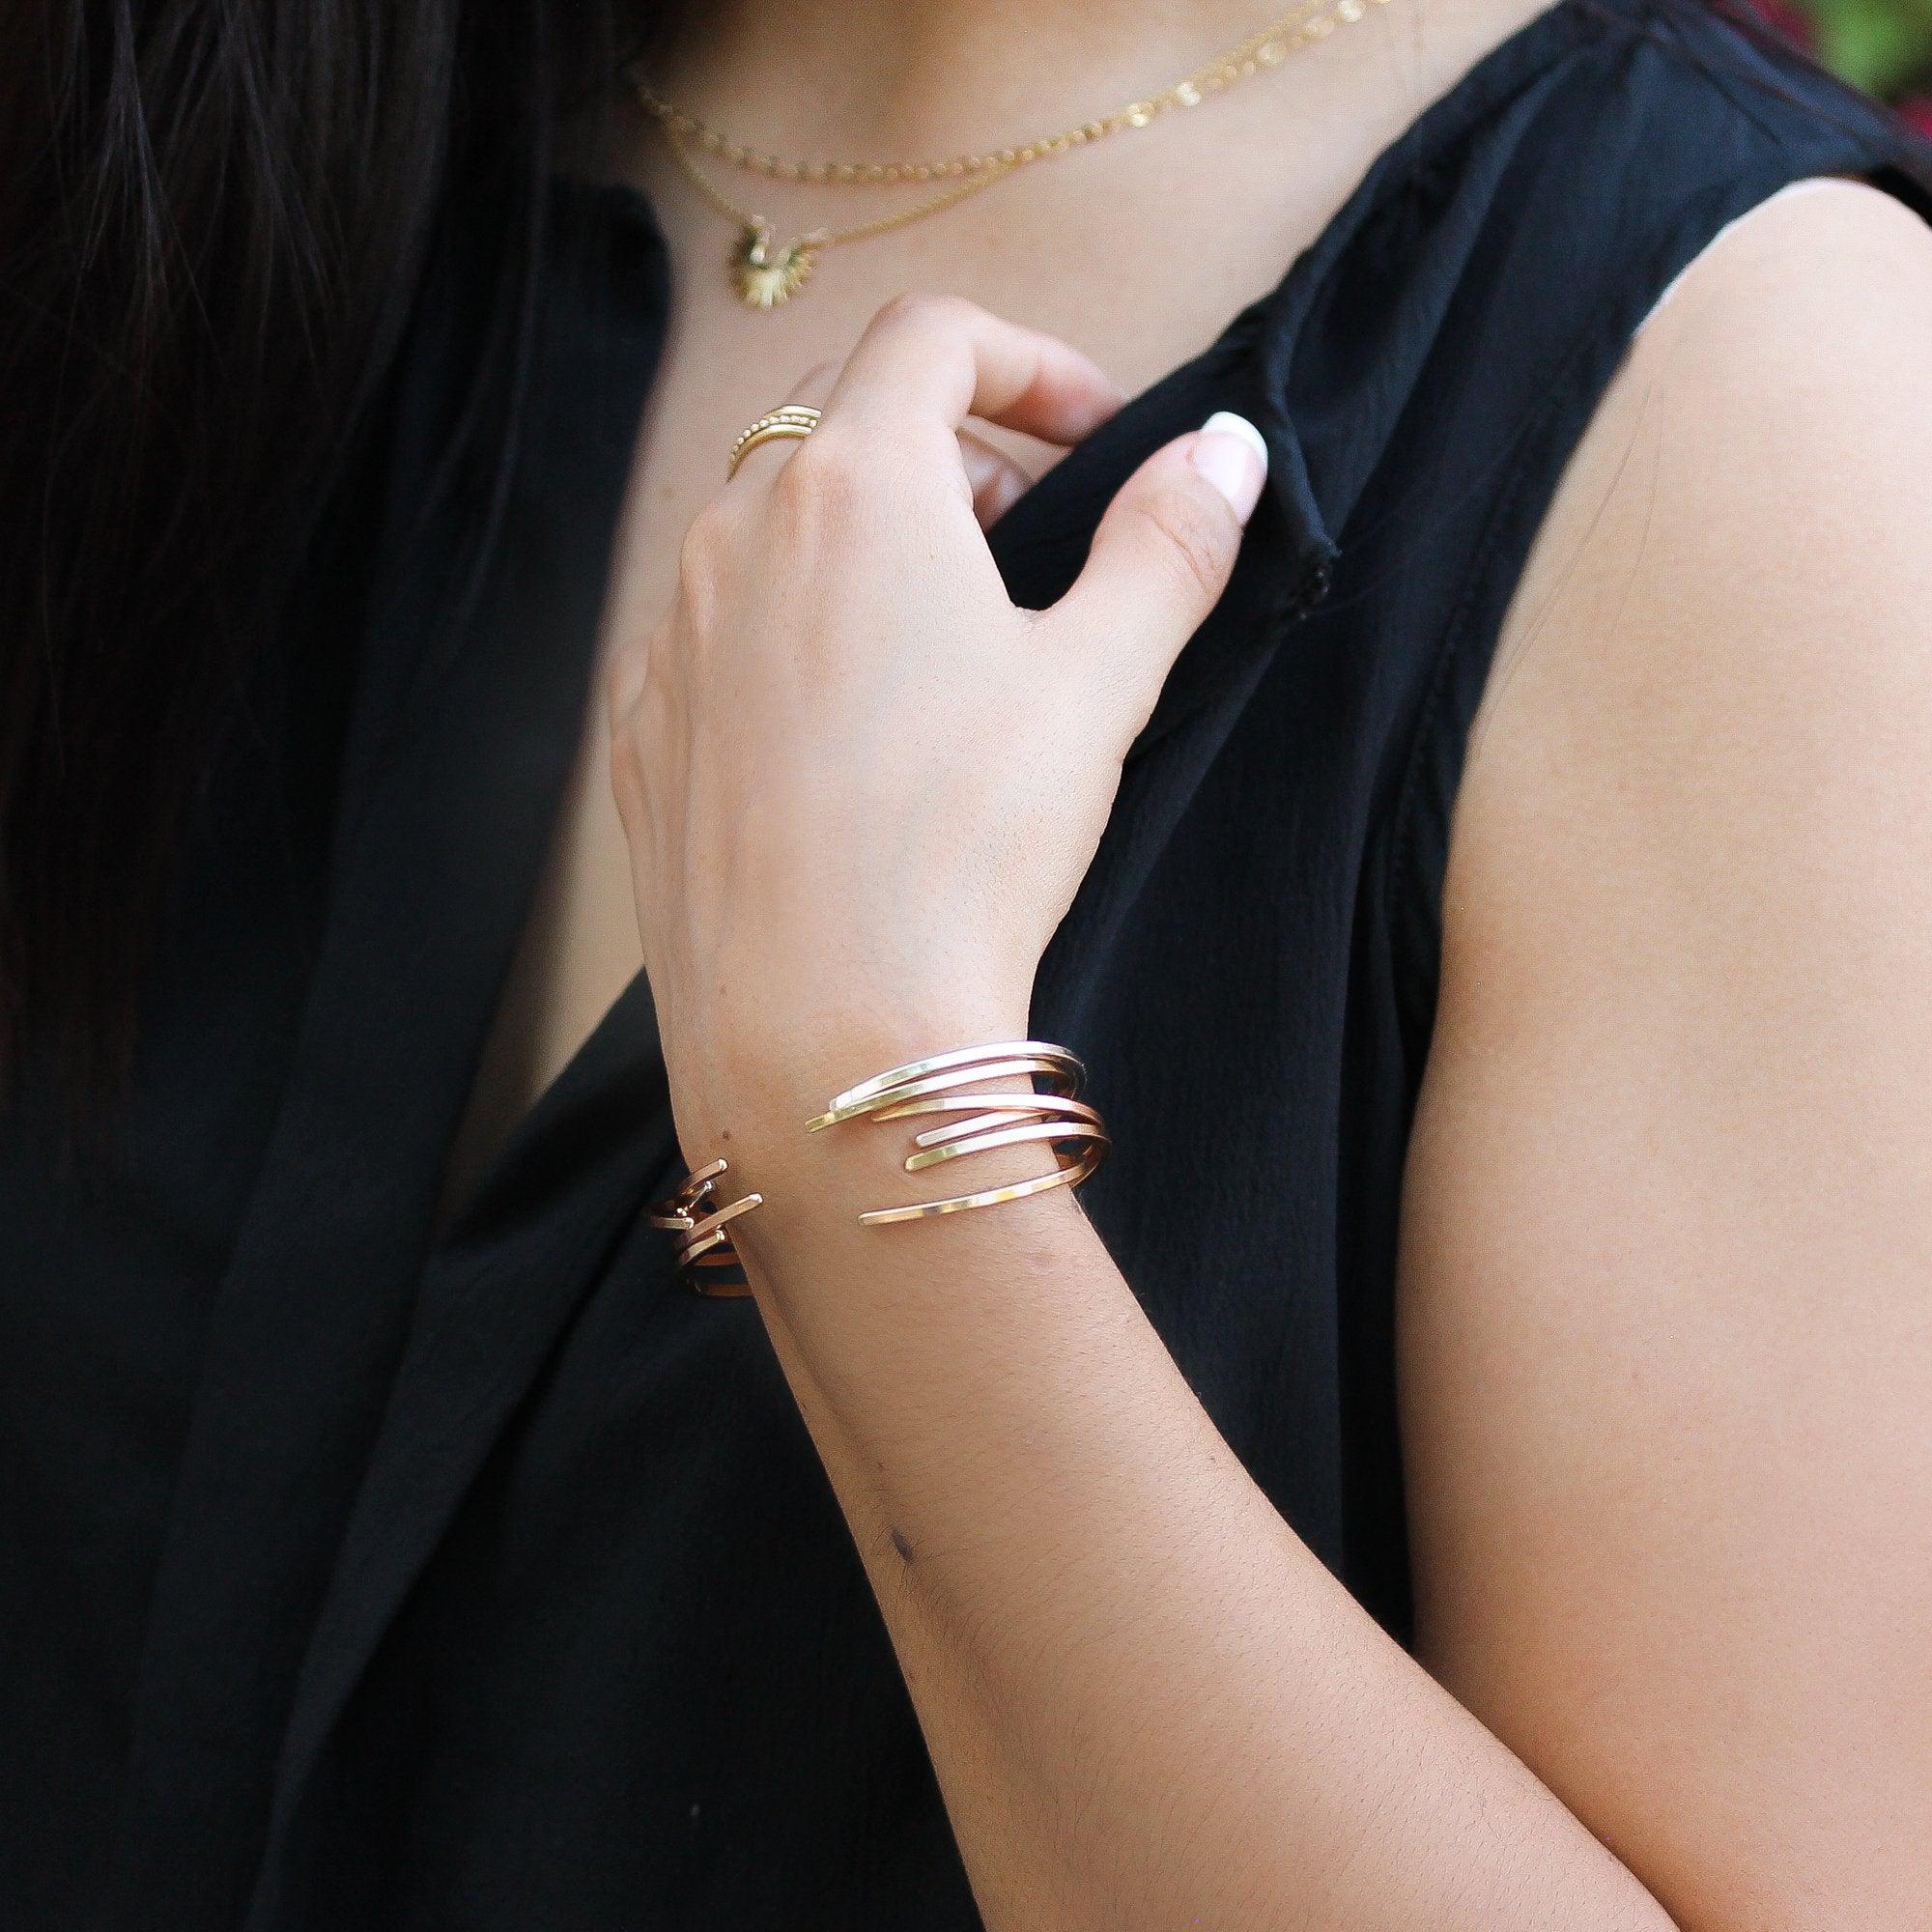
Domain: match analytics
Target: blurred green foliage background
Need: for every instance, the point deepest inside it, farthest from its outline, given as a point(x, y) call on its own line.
point(1885, 46)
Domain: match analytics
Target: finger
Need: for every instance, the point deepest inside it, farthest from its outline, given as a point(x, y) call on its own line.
point(1164, 551)
point(812, 390)
point(996, 480)
point(944, 360)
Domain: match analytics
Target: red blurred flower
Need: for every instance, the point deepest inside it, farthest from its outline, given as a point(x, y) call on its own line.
point(1790, 19)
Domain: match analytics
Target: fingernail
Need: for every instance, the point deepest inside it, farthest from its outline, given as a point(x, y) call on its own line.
point(1232, 455)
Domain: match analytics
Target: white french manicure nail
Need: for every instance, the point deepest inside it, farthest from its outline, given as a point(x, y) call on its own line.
point(1231, 453)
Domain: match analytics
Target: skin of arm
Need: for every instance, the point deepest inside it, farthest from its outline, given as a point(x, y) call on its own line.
point(1666, 1376)
point(1666, 1316)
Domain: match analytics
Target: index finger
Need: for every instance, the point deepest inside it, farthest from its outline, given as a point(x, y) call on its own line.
point(946, 359)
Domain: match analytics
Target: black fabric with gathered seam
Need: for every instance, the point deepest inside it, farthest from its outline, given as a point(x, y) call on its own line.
point(355, 1576)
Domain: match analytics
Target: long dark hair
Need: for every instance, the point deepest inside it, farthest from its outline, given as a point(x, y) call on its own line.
point(213, 221)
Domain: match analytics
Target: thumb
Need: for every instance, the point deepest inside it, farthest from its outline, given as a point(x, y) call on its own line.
point(1165, 548)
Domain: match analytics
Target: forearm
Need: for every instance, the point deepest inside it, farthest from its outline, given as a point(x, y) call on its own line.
point(1148, 1702)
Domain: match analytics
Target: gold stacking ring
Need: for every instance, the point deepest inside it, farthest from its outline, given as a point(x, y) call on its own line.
point(1056, 1116)
point(706, 1255)
point(795, 420)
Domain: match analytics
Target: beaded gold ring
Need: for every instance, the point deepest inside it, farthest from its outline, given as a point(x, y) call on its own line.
point(793, 420)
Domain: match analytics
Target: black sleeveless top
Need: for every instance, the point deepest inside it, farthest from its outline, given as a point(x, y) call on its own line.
point(357, 1576)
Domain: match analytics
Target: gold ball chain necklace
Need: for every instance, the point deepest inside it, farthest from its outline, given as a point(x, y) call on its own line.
point(766, 273)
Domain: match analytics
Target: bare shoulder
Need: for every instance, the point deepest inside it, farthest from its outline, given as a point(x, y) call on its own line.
point(1713, 693)
point(1730, 602)
point(1667, 1223)
point(1782, 390)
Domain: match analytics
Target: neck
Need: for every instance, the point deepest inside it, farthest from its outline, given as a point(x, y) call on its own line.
point(814, 76)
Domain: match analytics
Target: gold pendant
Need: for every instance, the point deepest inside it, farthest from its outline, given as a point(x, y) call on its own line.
point(766, 276)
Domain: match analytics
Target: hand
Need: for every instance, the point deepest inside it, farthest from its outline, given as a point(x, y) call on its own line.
point(859, 785)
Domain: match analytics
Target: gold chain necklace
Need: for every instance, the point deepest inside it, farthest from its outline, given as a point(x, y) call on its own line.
point(766, 275)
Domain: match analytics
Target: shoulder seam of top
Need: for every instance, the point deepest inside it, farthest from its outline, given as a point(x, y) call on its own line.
point(1444, 655)
point(1452, 640)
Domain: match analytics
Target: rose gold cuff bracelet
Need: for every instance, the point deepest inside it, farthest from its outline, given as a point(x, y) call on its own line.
point(1049, 1112)
point(706, 1255)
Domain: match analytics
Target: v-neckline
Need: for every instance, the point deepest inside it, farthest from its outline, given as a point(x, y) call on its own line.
point(1024, 539)
point(1028, 541)
point(382, 1365)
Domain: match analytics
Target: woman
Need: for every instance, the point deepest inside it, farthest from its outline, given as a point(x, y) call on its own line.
point(1448, 754)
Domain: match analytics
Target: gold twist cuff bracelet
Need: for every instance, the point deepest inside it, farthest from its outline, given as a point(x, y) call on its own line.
point(1056, 1116)
point(706, 1255)
point(1052, 1114)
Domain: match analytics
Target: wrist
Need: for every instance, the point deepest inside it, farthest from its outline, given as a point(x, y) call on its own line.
point(745, 1093)
point(754, 1104)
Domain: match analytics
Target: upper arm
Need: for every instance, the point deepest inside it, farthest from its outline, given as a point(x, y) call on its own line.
point(1666, 1296)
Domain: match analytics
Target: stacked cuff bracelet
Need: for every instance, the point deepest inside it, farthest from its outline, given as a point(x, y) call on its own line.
point(1047, 1110)
point(1057, 1117)
point(706, 1255)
